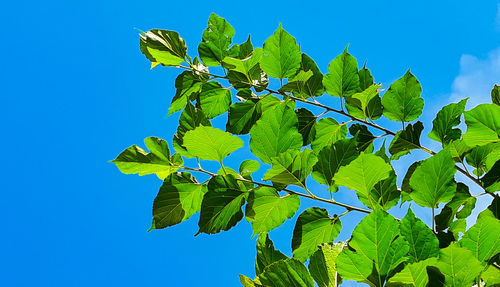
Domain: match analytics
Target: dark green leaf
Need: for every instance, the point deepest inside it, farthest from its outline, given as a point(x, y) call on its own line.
point(136, 160)
point(286, 273)
point(446, 119)
point(483, 125)
point(491, 180)
point(187, 84)
point(282, 55)
point(313, 87)
point(432, 182)
point(275, 132)
point(210, 143)
point(363, 136)
point(385, 193)
point(331, 158)
point(343, 78)
point(405, 186)
point(483, 157)
point(267, 210)
point(406, 140)
point(242, 116)
point(402, 102)
point(306, 121)
point(322, 265)
point(495, 95)
point(376, 248)
point(221, 206)
point(314, 227)
point(297, 83)
point(163, 46)
point(266, 254)
point(291, 167)
point(365, 97)
point(215, 41)
point(460, 206)
point(422, 241)
point(180, 196)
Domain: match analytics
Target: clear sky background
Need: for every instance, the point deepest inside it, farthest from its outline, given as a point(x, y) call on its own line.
point(76, 91)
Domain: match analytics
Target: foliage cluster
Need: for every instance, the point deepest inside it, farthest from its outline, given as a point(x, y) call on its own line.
point(296, 143)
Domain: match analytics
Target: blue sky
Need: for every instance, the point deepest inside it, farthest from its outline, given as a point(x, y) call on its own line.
point(76, 91)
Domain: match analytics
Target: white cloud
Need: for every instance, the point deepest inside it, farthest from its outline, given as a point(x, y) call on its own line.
point(476, 78)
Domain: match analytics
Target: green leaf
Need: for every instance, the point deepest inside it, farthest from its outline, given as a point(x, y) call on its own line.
point(266, 254)
point(210, 143)
point(422, 241)
point(343, 78)
point(187, 84)
point(366, 96)
point(242, 116)
point(247, 282)
point(249, 166)
point(297, 83)
point(402, 102)
point(491, 276)
point(326, 132)
point(483, 125)
point(136, 160)
point(215, 41)
point(190, 118)
point(214, 99)
point(458, 265)
point(331, 158)
point(180, 196)
point(491, 180)
point(362, 174)
point(306, 121)
point(385, 193)
point(374, 108)
point(163, 46)
point(460, 206)
point(313, 87)
point(406, 140)
point(286, 273)
point(483, 157)
point(255, 78)
point(245, 65)
point(275, 133)
point(495, 95)
point(322, 265)
point(282, 55)
point(221, 206)
point(446, 119)
point(314, 227)
point(482, 238)
point(363, 136)
point(432, 182)
point(414, 274)
point(291, 167)
point(375, 250)
point(267, 210)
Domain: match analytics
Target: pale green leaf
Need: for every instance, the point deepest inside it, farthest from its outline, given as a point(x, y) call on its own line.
point(376, 248)
point(282, 55)
point(190, 118)
point(362, 174)
point(414, 274)
point(402, 102)
point(275, 132)
point(249, 166)
point(483, 237)
point(491, 276)
point(210, 143)
point(366, 96)
point(267, 210)
point(483, 125)
point(245, 65)
point(432, 182)
point(291, 167)
point(322, 265)
point(314, 227)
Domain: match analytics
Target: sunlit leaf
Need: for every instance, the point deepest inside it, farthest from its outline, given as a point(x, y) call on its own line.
point(343, 78)
point(326, 132)
point(211, 143)
point(446, 119)
point(215, 41)
point(286, 273)
point(163, 46)
point(422, 241)
point(458, 265)
point(282, 55)
point(402, 102)
point(291, 167)
point(483, 125)
point(322, 265)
